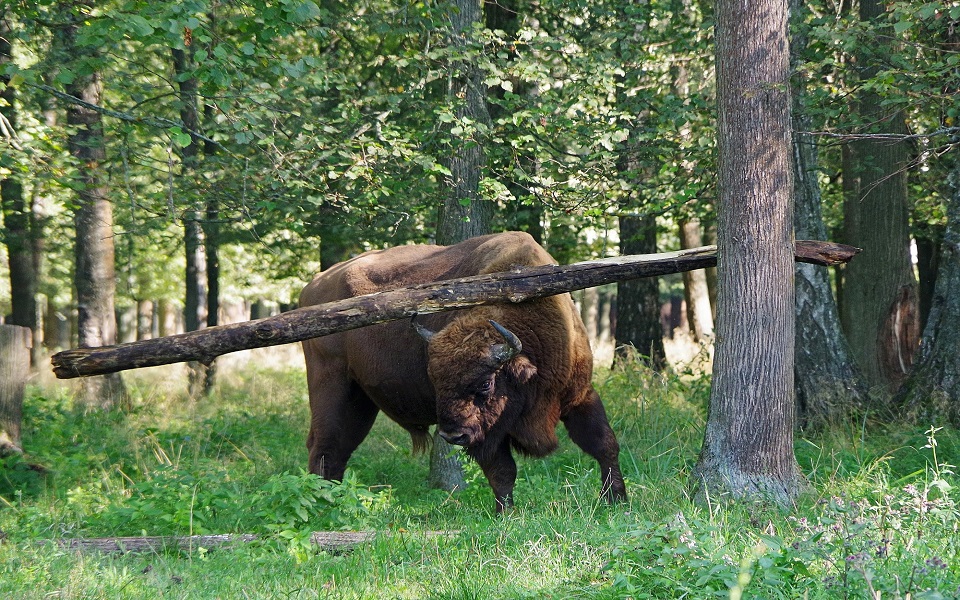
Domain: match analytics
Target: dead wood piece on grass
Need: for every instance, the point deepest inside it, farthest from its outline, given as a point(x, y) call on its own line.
point(331, 541)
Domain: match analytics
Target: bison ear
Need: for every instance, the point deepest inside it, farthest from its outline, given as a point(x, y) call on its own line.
point(522, 369)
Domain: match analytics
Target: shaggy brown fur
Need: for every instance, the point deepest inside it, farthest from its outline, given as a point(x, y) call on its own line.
point(454, 380)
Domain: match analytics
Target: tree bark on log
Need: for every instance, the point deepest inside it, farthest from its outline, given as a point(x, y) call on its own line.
point(324, 319)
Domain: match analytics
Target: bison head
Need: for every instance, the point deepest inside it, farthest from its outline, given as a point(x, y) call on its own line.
point(479, 376)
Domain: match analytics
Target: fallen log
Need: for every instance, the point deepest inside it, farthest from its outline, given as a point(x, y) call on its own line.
point(316, 321)
point(332, 541)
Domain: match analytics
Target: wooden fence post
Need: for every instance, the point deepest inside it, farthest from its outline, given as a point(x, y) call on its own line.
point(15, 343)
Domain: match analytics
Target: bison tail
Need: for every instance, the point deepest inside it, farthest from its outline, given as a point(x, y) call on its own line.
point(421, 440)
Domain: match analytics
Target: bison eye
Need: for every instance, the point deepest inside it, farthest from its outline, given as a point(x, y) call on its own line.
point(485, 386)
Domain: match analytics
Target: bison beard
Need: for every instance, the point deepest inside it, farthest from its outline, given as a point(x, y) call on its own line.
point(494, 378)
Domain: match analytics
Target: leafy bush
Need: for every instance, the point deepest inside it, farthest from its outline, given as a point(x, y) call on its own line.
point(903, 543)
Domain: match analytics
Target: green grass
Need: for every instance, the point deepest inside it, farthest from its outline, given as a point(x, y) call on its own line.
point(882, 521)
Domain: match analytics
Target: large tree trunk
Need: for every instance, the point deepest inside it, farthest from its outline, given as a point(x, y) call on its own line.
point(829, 386)
point(95, 276)
point(195, 301)
point(748, 441)
point(15, 342)
point(931, 395)
point(879, 312)
point(638, 300)
point(18, 221)
point(695, 289)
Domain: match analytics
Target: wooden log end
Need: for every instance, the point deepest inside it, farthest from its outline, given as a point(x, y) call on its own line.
point(827, 254)
point(65, 364)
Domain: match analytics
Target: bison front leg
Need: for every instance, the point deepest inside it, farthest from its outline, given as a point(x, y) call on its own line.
point(588, 427)
point(501, 472)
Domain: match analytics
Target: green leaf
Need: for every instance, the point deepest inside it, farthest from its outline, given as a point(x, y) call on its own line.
point(65, 76)
point(179, 137)
point(140, 26)
point(305, 11)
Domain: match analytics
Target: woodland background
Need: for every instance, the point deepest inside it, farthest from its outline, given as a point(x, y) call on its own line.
point(169, 166)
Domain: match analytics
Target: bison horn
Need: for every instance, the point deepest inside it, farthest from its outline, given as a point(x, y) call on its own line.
point(504, 352)
point(423, 331)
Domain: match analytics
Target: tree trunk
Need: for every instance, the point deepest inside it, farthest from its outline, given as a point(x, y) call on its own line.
point(695, 289)
point(879, 313)
point(527, 208)
point(931, 395)
point(638, 301)
point(15, 342)
point(929, 240)
point(145, 318)
point(829, 386)
point(18, 234)
point(710, 239)
point(748, 442)
point(195, 301)
point(211, 232)
point(95, 276)
point(464, 213)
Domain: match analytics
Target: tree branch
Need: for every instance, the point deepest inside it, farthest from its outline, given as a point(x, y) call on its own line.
point(524, 283)
point(158, 122)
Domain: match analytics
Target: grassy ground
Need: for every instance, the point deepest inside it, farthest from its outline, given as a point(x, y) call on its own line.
point(881, 522)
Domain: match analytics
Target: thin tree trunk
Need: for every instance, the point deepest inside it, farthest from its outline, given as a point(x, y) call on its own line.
point(696, 291)
point(195, 301)
point(638, 301)
point(18, 233)
point(748, 441)
point(464, 214)
point(95, 276)
point(929, 240)
point(15, 342)
point(880, 312)
point(211, 231)
point(145, 317)
point(829, 386)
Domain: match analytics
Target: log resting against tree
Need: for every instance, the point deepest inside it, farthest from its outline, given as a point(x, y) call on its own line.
point(316, 321)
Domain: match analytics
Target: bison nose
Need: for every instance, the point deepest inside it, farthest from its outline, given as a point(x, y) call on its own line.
point(457, 439)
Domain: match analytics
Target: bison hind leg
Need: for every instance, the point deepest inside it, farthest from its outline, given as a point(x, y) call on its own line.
point(420, 437)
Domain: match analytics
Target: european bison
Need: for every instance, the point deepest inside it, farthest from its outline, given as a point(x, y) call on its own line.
point(491, 377)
